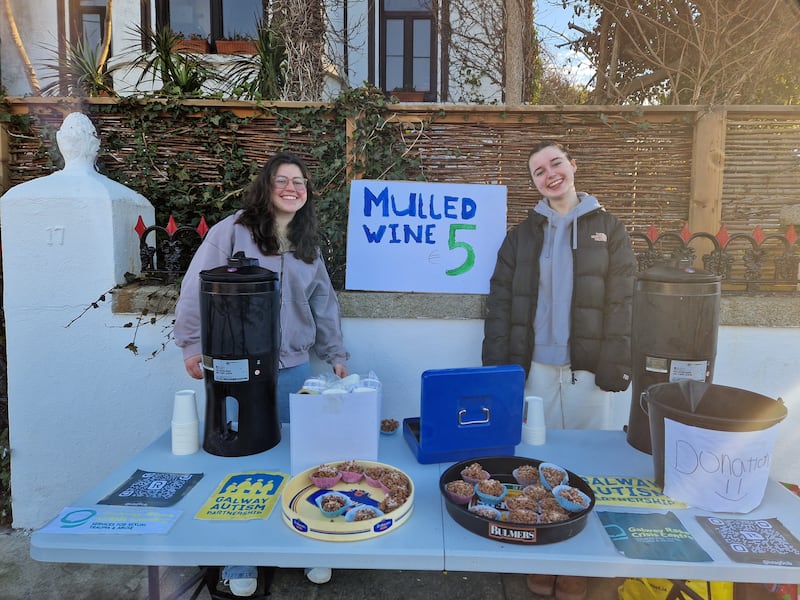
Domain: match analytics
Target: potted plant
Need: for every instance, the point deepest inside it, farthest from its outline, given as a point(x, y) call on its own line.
point(194, 43)
point(238, 43)
point(408, 93)
point(83, 71)
point(261, 75)
point(180, 73)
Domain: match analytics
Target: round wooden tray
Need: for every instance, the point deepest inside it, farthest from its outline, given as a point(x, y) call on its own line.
point(302, 514)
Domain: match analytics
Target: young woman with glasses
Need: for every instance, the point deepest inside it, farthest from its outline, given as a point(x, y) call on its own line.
point(278, 226)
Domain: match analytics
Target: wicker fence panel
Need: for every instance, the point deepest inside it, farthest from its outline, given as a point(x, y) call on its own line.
point(637, 162)
point(642, 175)
point(762, 172)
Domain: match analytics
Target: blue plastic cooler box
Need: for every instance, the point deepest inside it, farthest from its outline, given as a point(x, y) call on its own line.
point(466, 413)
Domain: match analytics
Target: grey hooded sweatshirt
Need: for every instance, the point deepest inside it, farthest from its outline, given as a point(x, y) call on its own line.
point(552, 322)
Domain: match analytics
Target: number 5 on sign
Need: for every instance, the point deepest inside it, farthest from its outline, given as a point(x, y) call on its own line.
point(415, 236)
point(469, 261)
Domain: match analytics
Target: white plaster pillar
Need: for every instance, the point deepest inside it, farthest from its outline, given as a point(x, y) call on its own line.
point(67, 238)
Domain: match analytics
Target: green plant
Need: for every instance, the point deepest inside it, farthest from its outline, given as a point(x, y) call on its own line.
point(260, 76)
point(242, 37)
point(192, 36)
point(81, 72)
point(180, 74)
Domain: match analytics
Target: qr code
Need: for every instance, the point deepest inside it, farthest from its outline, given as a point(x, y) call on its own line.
point(149, 488)
point(156, 485)
point(756, 536)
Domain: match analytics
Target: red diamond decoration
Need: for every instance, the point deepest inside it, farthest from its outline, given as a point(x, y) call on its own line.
point(758, 235)
point(652, 233)
point(140, 227)
point(791, 235)
point(202, 227)
point(686, 233)
point(722, 236)
point(171, 226)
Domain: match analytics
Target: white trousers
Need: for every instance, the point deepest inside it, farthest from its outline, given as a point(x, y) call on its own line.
point(571, 398)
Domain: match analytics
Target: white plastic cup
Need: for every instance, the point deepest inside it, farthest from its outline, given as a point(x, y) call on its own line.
point(185, 438)
point(533, 424)
point(185, 423)
point(185, 408)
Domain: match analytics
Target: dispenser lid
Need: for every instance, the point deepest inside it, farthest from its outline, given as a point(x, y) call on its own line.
point(240, 269)
point(672, 274)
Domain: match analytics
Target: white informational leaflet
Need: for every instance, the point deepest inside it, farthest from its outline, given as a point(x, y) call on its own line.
point(113, 520)
point(720, 471)
point(414, 236)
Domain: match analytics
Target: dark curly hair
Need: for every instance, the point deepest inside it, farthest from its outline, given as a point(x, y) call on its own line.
point(259, 214)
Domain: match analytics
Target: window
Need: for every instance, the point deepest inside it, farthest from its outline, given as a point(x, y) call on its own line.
point(408, 46)
point(87, 21)
point(211, 19)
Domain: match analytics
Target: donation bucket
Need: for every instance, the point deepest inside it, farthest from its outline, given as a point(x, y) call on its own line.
point(712, 443)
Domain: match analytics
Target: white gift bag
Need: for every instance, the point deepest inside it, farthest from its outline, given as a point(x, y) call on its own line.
point(333, 427)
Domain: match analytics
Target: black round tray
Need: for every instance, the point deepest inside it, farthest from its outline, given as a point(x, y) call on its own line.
point(500, 468)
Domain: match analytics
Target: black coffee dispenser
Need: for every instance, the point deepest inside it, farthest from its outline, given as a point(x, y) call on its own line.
point(240, 341)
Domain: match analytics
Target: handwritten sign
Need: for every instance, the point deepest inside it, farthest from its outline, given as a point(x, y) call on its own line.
point(723, 471)
point(411, 236)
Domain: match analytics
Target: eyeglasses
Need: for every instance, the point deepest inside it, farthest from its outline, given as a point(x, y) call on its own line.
point(281, 182)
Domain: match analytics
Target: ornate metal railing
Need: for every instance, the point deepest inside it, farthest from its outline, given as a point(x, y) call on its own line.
point(746, 262)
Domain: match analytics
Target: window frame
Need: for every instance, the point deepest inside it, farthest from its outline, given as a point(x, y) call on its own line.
point(162, 12)
point(408, 17)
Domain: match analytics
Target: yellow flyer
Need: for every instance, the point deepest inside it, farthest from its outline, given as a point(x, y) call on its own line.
point(630, 491)
point(243, 496)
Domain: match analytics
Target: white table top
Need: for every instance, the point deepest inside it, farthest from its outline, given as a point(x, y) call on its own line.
point(416, 544)
point(591, 552)
point(429, 540)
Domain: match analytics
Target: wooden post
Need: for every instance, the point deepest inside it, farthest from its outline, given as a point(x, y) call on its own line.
point(5, 156)
point(350, 149)
point(708, 164)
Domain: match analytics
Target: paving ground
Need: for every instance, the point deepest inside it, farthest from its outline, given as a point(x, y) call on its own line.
point(22, 578)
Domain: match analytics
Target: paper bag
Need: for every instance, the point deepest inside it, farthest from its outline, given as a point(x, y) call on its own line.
point(330, 428)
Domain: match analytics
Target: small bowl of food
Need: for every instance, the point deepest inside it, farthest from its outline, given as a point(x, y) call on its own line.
point(571, 498)
point(362, 513)
point(325, 476)
point(332, 504)
point(526, 475)
point(459, 491)
point(487, 512)
point(490, 491)
point(552, 475)
point(474, 473)
point(352, 471)
point(389, 426)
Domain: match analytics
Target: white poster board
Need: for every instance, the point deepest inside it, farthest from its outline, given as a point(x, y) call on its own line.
point(720, 471)
point(413, 236)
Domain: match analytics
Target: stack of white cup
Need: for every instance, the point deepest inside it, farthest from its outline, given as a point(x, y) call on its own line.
point(185, 424)
point(533, 427)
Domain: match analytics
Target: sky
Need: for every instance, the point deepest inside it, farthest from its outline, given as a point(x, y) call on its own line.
point(551, 19)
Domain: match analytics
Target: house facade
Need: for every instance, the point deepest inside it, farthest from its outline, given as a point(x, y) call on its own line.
point(392, 44)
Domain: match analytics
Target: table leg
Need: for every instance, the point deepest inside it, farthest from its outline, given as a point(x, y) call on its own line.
point(153, 587)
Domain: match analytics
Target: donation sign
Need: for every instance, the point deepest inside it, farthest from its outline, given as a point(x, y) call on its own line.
point(413, 236)
point(721, 471)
